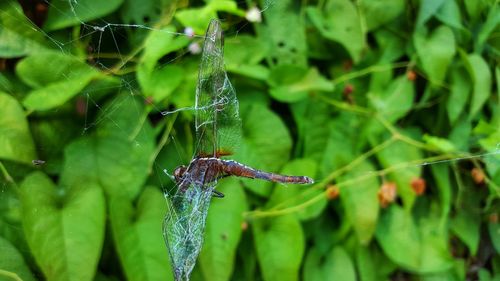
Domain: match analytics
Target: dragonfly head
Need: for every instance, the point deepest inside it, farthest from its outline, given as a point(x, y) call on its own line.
point(179, 173)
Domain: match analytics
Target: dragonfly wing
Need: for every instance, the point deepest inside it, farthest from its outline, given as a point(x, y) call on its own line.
point(184, 226)
point(218, 125)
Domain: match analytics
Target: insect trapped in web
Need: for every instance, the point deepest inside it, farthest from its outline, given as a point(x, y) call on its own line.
point(218, 130)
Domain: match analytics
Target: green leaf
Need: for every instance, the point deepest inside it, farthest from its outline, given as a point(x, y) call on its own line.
point(56, 94)
point(487, 30)
point(294, 195)
point(460, 134)
point(33, 70)
point(494, 232)
point(339, 21)
point(335, 265)
point(466, 226)
point(392, 47)
point(457, 273)
point(459, 93)
point(359, 199)
point(427, 9)
point(16, 143)
point(484, 275)
point(393, 101)
point(441, 144)
point(53, 134)
point(12, 261)
point(118, 155)
point(293, 83)
point(418, 247)
point(497, 75)
point(257, 71)
point(435, 52)
point(145, 12)
point(217, 257)
point(475, 7)
point(64, 226)
point(243, 54)
point(198, 18)
point(441, 175)
point(378, 13)
point(481, 78)
point(160, 43)
point(346, 125)
point(64, 13)
point(159, 83)
point(283, 19)
point(489, 137)
point(365, 264)
point(266, 144)
point(188, 85)
point(383, 265)
point(137, 234)
point(279, 243)
point(397, 154)
point(312, 117)
point(371, 264)
point(244, 49)
point(54, 85)
point(18, 35)
point(449, 14)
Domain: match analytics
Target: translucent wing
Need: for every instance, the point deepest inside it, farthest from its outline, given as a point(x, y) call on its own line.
point(184, 226)
point(218, 125)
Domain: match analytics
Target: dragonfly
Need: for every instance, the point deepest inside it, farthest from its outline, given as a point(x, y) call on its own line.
point(218, 131)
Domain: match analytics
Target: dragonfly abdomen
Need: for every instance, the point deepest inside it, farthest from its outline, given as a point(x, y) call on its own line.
point(283, 178)
point(234, 168)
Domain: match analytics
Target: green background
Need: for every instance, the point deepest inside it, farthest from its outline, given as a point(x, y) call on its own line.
point(359, 95)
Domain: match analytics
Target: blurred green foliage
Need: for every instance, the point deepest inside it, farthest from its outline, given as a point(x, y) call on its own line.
point(364, 96)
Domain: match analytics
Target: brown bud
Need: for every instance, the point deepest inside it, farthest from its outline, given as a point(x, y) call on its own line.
point(347, 65)
point(348, 89)
point(41, 8)
point(493, 218)
point(332, 192)
point(387, 194)
point(244, 225)
point(418, 185)
point(348, 92)
point(477, 175)
point(411, 75)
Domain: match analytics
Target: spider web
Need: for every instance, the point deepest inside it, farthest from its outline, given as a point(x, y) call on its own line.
point(98, 107)
point(125, 113)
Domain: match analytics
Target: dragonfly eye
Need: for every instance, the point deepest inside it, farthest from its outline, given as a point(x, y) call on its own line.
point(179, 173)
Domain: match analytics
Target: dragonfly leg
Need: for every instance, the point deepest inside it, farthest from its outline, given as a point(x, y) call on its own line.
point(217, 194)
